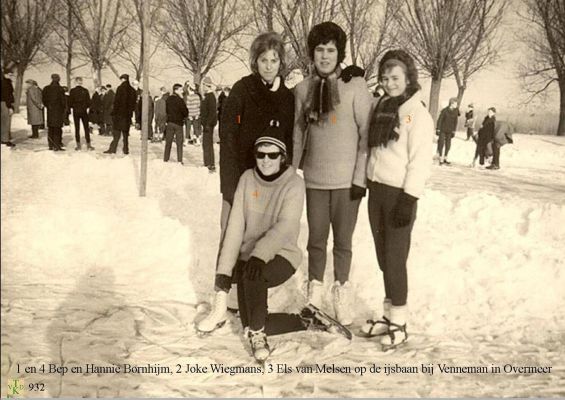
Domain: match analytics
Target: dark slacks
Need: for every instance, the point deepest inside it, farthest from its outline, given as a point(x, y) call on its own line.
point(325, 208)
point(208, 145)
point(444, 141)
point(55, 137)
point(392, 244)
point(496, 153)
point(173, 131)
point(77, 118)
point(116, 133)
point(35, 131)
point(252, 299)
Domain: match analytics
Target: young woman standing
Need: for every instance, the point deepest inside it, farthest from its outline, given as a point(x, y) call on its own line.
point(400, 160)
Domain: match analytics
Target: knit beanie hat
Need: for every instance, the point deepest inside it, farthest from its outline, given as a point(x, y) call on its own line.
point(272, 135)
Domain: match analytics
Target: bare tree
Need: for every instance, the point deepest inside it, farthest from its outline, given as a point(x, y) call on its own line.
point(297, 18)
point(61, 46)
point(434, 31)
point(482, 45)
point(25, 25)
point(369, 26)
point(132, 45)
point(201, 32)
point(100, 30)
point(546, 41)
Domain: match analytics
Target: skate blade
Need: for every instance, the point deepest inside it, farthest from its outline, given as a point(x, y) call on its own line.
point(204, 334)
point(391, 347)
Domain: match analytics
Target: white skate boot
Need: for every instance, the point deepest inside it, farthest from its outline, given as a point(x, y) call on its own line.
point(217, 317)
point(341, 300)
point(233, 305)
point(396, 334)
point(379, 325)
point(259, 346)
point(315, 293)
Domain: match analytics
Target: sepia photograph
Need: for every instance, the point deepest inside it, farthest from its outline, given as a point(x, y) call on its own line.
point(282, 199)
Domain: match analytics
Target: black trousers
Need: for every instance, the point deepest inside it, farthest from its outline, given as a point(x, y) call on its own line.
point(252, 299)
point(469, 133)
point(116, 139)
point(496, 153)
point(35, 131)
point(55, 137)
point(77, 118)
point(173, 131)
point(444, 141)
point(392, 244)
point(208, 145)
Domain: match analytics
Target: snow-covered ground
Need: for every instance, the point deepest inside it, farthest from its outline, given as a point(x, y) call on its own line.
point(92, 273)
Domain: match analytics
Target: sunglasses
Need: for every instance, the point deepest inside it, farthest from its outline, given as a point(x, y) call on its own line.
point(273, 156)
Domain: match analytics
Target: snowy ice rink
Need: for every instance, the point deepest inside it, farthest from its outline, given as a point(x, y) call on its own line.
point(92, 273)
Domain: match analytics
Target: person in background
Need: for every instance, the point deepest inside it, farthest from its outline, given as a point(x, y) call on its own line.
point(485, 136)
point(124, 106)
point(7, 105)
point(193, 100)
point(446, 127)
point(34, 107)
point(67, 121)
point(79, 102)
point(96, 111)
point(160, 115)
point(220, 97)
point(53, 97)
point(502, 135)
point(176, 114)
point(332, 114)
point(470, 121)
point(107, 105)
point(150, 110)
point(400, 161)
point(137, 112)
point(208, 119)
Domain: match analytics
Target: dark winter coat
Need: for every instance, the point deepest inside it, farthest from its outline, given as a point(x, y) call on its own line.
point(139, 107)
point(246, 113)
point(34, 106)
point(447, 121)
point(486, 132)
point(7, 92)
point(79, 100)
point(176, 110)
point(208, 111)
point(107, 105)
point(161, 109)
point(96, 112)
point(124, 105)
point(503, 132)
point(54, 100)
point(221, 98)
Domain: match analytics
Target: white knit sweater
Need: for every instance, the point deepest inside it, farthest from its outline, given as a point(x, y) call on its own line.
point(406, 163)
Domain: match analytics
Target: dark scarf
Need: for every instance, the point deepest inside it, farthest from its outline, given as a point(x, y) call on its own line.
point(273, 177)
point(322, 96)
point(385, 119)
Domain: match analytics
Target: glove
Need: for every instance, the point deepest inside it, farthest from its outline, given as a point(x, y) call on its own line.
point(357, 192)
point(350, 72)
point(403, 210)
point(254, 268)
point(222, 282)
point(437, 132)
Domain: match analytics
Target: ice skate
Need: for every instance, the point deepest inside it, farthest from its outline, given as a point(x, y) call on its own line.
point(341, 300)
point(396, 334)
point(316, 319)
point(78, 147)
point(217, 317)
point(233, 305)
point(89, 147)
point(259, 345)
point(315, 293)
point(378, 326)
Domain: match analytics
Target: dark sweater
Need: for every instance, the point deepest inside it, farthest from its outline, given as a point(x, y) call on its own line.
point(246, 113)
point(447, 121)
point(176, 110)
point(79, 100)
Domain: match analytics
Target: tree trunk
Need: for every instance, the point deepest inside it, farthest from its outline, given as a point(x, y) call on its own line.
point(434, 97)
point(18, 88)
point(460, 92)
point(145, 103)
point(97, 75)
point(69, 66)
point(561, 126)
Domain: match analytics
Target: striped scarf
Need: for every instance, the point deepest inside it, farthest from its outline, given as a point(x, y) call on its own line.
point(385, 119)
